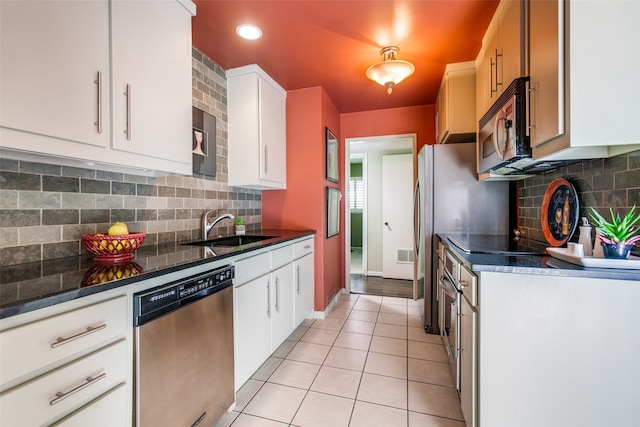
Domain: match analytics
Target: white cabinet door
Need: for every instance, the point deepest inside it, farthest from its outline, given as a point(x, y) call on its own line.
point(50, 59)
point(281, 305)
point(502, 55)
point(546, 67)
point(457, 104)
point(565, 121)
point(252, 327)
point(304, 289)
point(468, 384)
point(511, 63)
point(272, 134)
point(152, 79)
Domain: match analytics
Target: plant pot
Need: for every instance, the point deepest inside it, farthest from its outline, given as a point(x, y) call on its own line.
point(616, 250)
point(240, 230)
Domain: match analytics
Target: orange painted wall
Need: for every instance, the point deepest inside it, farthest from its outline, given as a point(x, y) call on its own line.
point(303, 204)
point(392, 121)
point(334, 272)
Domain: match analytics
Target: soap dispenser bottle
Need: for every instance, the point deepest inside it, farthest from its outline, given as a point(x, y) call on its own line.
point(585, 237)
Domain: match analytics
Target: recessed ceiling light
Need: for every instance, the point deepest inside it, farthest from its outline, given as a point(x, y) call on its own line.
point(249, 32)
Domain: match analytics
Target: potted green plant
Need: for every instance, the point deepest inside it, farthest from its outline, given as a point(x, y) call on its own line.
point(619, 235)
point(240, 228)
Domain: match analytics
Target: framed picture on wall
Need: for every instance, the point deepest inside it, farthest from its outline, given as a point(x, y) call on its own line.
point(332, 157)
point(203, 142)
point(333, 211)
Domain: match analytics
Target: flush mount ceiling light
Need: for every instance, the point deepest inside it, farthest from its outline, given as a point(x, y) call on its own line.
point(249, 32)
point(390, 71)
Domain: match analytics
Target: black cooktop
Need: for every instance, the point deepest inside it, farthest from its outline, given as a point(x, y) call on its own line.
point(496, 244)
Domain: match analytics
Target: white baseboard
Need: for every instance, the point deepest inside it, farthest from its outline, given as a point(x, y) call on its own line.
point(327, 310)
point(374, 273)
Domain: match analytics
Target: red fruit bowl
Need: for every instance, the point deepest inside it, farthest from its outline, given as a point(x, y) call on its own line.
point(112, 248)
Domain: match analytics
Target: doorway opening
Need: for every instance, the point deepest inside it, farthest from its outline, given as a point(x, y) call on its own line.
point(364, 217)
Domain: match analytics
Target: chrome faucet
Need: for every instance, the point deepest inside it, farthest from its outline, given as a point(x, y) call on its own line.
point(207, 226)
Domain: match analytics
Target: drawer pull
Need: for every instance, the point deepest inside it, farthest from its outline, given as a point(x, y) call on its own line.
point(307, 246)
point(90, 329)
point(61, 396)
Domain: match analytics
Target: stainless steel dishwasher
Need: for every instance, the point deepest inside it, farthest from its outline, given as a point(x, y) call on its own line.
point(183, 334)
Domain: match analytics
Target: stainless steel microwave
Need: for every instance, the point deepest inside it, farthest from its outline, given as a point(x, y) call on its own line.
point(503, 138)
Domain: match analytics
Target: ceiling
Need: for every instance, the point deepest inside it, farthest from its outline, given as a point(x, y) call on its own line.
point(332, 43)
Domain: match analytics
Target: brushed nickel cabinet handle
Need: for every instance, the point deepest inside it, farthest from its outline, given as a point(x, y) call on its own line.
point(127, 94)
point(98, 82)
point(269, 299)
point(492, 90)
point(298, 279)
point(266, 162)
point(90, 329)
point(498, 83)
point(63, 395)
point(277, 295)
point(307, 246)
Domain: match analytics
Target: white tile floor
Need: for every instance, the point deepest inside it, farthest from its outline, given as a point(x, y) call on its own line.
point(368, 364)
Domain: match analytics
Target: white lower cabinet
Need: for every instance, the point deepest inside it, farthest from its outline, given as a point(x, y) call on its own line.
point(468, 358)
point(43, 343)
point(304, 289)
point(109, 410)
point(64, 389)
point(270, 301)
point(56, 361)
point(281, 287)
point(263, 319)
point(252, 327)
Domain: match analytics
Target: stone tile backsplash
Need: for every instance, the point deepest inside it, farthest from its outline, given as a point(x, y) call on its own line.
point(45, 208)
point(600, 183)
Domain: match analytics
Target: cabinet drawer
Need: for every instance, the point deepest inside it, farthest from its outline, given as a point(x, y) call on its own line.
point(45, 342)
point(106, 411)
point(469, 283)
point(303, 248)
point(250, 268)
point(281, 256)
point(66, 388)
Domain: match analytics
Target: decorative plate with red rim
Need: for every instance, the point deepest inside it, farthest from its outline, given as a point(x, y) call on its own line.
point(560, 212)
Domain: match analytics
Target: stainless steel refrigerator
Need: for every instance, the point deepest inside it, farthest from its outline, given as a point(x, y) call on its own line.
point(449, 198)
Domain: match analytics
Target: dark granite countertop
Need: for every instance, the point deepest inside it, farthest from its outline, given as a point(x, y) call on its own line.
point(535, 264)
point(31, 286)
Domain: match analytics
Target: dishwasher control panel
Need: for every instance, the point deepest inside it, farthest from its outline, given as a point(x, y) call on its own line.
point(155, 302)
point(210, 281)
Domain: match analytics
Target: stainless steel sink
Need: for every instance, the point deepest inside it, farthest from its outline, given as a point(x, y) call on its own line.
point(230, 241)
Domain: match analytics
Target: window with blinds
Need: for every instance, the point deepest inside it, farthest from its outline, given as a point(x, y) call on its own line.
point(356, 194)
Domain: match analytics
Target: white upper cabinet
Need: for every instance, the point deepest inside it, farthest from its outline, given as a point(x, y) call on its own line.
point(55, 70)
point(584, 84)
point(103, 81)
point(152, 79)
point(501, 59)
point(456, 116)
point(257, 129)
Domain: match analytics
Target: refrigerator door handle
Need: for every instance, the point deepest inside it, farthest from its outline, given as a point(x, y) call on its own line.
point(416, 219)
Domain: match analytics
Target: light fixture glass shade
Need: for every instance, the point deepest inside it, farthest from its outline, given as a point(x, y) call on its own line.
point(390, 71)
